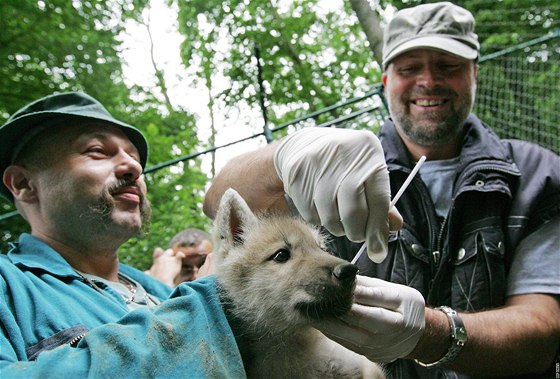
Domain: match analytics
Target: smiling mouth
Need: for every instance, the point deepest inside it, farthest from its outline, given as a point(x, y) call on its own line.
point(429, 102)
point(131, 194)
point(127, 194)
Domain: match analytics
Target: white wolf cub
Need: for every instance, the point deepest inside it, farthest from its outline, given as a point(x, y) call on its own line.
point(276, 279)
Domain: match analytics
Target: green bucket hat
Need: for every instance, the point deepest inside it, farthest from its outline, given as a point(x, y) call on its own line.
point(49, 112)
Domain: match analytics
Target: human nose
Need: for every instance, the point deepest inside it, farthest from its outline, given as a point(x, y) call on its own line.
point(429, 76)
point(127, 167)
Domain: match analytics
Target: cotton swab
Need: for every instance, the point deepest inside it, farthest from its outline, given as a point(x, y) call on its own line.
point(396, 198)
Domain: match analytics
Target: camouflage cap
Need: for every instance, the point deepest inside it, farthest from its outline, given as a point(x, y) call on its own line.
point(439, 26)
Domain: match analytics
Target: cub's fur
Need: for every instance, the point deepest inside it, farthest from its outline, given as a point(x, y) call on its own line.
point(276, 278)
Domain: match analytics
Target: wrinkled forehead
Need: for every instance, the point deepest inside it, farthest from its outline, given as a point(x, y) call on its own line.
point(57, 140)
point(204, 246)
point(85, 131)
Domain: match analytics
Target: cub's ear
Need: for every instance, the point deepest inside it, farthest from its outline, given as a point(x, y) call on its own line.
point(233, 219)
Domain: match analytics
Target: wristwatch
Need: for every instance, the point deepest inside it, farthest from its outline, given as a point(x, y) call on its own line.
point(458, 339)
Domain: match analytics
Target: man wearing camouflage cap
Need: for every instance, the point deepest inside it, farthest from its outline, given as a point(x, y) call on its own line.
point(469, 286)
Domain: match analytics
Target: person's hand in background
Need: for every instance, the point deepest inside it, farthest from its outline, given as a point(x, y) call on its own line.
point(166, 265)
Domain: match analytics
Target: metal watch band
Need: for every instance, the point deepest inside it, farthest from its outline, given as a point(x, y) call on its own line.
point(458, 339)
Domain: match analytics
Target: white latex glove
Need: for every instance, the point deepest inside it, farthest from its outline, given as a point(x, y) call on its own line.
point(385, 322)
point(338, 178)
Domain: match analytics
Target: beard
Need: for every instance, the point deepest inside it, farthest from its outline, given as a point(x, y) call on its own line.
point(435, 128)
point(102, 208)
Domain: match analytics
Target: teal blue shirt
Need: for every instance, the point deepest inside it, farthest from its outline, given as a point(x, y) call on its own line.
point(45, 305)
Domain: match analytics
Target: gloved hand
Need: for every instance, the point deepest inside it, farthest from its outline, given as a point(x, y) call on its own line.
point(384, 324)
point(338, 178)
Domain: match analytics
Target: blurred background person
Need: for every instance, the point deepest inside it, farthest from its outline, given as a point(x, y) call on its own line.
point(184, 259)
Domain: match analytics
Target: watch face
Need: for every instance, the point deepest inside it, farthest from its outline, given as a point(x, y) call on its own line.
point(461, 336)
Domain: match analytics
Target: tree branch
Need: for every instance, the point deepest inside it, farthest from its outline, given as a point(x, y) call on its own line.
point(369, 20)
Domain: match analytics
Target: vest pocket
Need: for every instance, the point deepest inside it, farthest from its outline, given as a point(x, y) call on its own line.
point(409, 261)
point(479, 278)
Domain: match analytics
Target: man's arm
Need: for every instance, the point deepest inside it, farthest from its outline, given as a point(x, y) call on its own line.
point(521, 337)
point(170, 340)
point(254, 177)
point(166, 265)
point(336, 178)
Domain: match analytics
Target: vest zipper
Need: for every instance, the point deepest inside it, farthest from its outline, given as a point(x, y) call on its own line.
point(437, 254)
point(439, 243)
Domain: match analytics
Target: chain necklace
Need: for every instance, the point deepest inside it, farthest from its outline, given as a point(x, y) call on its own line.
point(131, 286)
point(122, 280)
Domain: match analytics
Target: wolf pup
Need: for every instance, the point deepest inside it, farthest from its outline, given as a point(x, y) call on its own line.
point(276, 278)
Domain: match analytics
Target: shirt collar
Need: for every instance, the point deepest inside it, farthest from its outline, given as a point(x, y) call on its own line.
point(34, 254)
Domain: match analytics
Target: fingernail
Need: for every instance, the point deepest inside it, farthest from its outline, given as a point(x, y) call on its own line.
point(377, 248)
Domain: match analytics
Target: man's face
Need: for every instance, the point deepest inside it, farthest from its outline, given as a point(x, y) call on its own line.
point(91, 184)
point(430, 95)
point(195, 256)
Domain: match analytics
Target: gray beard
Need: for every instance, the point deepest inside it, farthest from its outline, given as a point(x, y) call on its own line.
point(440, 131)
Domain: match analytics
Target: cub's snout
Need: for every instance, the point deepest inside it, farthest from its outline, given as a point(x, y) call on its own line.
point(332, 297)
point(346, 272)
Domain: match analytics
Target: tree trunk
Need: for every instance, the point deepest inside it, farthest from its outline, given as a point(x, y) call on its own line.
point(369, 20)
point(158, 73)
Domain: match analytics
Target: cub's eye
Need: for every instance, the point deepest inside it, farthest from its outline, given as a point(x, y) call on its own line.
point(281, 256)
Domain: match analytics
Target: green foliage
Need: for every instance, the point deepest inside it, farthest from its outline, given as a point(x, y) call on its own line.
point(311, 57)
point(60, 45)
point(65, 45)
point(313, 54)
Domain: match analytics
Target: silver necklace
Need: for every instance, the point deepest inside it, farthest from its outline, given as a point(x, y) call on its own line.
point(131, 286)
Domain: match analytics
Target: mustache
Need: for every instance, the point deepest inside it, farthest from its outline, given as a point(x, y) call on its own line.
point(120, 184)
point(103, 207)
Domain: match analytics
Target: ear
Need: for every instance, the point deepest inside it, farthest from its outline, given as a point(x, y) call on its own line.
point(233, 219)
point(18, 180)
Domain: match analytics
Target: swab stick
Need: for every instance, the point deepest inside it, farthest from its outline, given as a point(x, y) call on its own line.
point(396, 198)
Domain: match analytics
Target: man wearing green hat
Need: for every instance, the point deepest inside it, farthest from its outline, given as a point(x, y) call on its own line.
point(68, 308)
point(469, 287)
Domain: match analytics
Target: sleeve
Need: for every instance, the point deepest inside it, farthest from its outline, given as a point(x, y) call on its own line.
point(535, 267)
point(185, 336)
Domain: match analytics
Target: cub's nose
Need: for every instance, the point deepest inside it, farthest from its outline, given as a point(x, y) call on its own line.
point(345, 271)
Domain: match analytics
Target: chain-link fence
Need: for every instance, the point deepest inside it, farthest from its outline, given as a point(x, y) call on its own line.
point(518, 96)
point(519, 91)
